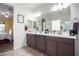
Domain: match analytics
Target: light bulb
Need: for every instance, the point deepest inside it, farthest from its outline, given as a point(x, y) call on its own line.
point(37, 14)
point(60, 7)
point(65, 5)
point(6, 16)
point(54, 8)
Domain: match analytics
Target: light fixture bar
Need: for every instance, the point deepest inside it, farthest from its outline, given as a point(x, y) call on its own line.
point(60, 6)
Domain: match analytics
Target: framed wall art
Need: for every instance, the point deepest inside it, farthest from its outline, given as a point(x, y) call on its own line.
point(20, 18)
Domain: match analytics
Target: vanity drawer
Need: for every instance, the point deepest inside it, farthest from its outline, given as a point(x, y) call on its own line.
point(51, 38)
point(66, 40)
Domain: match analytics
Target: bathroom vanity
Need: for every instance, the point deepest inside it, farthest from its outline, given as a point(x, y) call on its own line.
point(52, 44)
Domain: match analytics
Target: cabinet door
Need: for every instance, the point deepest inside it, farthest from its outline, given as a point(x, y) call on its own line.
point(40, 42)
point(31, 40)
point(50, 46)
point(64, 49)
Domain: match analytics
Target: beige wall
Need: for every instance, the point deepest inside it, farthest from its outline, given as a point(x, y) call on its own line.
point(8, 23)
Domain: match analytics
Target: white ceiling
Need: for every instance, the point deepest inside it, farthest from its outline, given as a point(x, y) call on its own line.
point(45, 7)
point(6, 9)
point(33, 5)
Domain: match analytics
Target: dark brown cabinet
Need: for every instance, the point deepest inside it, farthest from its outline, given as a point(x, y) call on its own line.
point(40, 42)
point(59, 46)
point(31, 40)
point(50, 46)
point(55, 46)
point(65, 47)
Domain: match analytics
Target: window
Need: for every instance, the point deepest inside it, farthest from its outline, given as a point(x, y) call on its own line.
point(2, 27)
point(55, 25)
point(29, 24)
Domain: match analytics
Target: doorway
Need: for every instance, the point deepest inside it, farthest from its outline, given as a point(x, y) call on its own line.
point(6, 28)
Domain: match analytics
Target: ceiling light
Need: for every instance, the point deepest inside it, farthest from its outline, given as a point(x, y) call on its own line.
point(54, 8)
point(65, 5)
point(60, 6)
point(37, 14)
point(6, 15)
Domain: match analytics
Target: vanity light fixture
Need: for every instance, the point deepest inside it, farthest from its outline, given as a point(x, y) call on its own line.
point(54, 8)
point(60, 6)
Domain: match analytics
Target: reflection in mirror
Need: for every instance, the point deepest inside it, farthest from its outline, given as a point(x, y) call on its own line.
point(56, 25)
point(51, 23)
point(32, 25)
point(29, 23)
point(58, 19)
